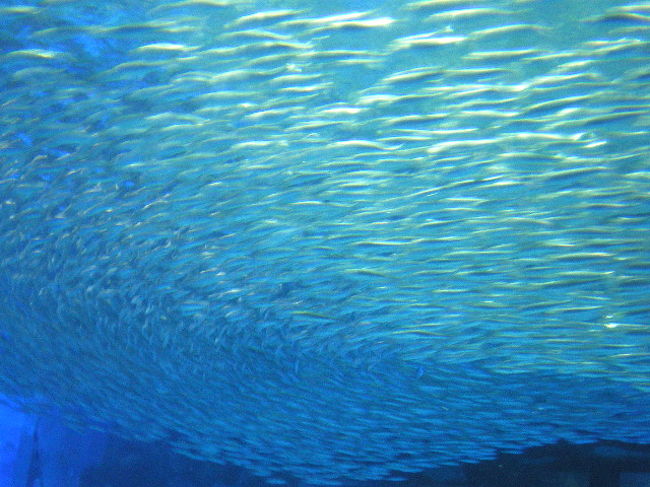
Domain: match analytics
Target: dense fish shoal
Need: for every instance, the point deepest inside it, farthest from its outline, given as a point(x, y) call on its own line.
point(330, 240)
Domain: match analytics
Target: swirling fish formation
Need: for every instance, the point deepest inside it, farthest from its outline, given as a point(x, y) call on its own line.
point(324, 239)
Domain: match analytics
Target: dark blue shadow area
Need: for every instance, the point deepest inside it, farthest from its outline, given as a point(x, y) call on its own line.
point(38, 451)
point(55, 456)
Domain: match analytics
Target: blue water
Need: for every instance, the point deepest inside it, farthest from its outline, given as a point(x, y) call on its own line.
point(332, 242)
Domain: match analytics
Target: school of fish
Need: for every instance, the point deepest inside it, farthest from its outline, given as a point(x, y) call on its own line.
point(328, 240)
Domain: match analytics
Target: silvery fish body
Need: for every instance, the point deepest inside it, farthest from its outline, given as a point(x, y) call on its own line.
point(332, 240)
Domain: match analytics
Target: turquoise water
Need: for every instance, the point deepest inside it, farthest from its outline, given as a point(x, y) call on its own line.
point(342, 240)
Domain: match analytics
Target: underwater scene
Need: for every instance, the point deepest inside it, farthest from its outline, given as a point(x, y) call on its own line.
point(345, 242)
